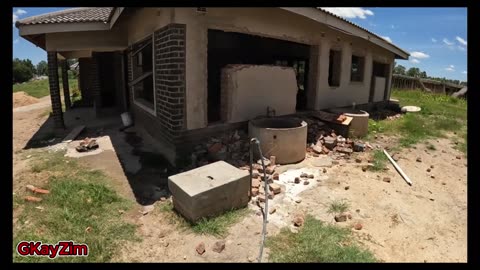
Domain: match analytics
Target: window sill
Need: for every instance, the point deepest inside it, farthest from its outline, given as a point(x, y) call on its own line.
point(141, 103)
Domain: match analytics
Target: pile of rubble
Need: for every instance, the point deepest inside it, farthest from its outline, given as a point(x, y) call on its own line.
point(327, 143)
point(233, 147)
point(259, 177)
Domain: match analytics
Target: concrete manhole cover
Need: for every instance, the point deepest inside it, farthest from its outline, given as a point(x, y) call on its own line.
point(411, 109)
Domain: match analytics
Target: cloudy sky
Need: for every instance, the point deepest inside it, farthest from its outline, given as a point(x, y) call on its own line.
point(435, 37)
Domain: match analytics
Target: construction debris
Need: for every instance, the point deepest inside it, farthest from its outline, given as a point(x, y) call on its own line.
point(398, 168)
point(32, 199)
point(87, 145)
point(37, 190)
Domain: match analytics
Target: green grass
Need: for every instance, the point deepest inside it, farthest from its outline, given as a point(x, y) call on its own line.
point(439, 114)
point(216, 226)
point(338, 206)
point(317, 242)
point(379, 161)
point(78, 199)
point(40, 88)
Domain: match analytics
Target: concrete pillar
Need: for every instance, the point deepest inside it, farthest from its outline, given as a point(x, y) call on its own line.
point(313, 76)
point(346, 66)
point(95, 84)
point(55, 90)
point(66, 90)
point(322, 71)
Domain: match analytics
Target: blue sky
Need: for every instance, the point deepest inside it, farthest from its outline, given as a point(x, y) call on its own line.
point(435, 37)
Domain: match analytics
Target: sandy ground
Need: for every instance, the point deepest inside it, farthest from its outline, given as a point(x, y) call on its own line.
point(423, 222)
point(22, 99)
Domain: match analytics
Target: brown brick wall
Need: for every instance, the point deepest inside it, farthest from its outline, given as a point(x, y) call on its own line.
point(55, 89)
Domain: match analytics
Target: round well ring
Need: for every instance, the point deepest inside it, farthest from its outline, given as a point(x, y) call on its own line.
point(284, 138)
point(359, 125)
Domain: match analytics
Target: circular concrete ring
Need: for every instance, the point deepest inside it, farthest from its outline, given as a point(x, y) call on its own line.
point(406, 109)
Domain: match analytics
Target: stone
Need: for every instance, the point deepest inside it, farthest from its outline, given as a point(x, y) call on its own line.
point(306, 182)
point(358, 147)
point(419, 159)
point(270, 169)
point(215, 148)
point(298, 221)
point(459, 157)
point(297, 180)
point(276, 188)
point(219, 246)
point(432, 176)
point(341, 139)
point(255, 192)
point(358, 226)
point(318, 149)
point(272, 160)
point(200, 248)
point(324, 170)
point(358, 160)
point(329, 142)
point(325, 150)
point(345, 150)
point(386, 179)
point(276, 176)
point(443, 183)
point(298, 200)
point(255, 183)
point(431, 166)
point(347, 187)
point(364, 168)
point(304, 175)
point(311, 176)
point(342, 217)
point(272, 210)
point(261, 198)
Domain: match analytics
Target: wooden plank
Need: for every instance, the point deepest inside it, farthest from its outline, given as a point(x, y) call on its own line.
point(73, 134)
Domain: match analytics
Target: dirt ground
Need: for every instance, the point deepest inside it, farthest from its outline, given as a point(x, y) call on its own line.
point(22, 99)
point(423, 222)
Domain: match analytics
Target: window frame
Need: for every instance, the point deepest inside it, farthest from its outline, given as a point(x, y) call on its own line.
point(139, 102)
point(361, 60)
point(340, 58)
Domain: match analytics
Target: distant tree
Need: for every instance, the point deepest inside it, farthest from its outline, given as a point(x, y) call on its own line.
point(399, 70)
point(42, 68)
point(413, 72)
point(423, 74)
point(22, 70)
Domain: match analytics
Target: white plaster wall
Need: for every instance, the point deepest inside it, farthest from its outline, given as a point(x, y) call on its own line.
point(253, 88)
point(145, 21)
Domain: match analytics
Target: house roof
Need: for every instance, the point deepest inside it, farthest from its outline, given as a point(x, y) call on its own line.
point(72, 15)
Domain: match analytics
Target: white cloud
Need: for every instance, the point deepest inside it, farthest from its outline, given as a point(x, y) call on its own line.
point(20, 12)
point(16, 41)
point(434, 40)
point(350, 13)
point(447, 42)
point(15, 18)
point(387, 39)
point(464, 72)
point(461, 48)
point(461, 40)
point(415, 61)
point(419, 55)
point(450, 68)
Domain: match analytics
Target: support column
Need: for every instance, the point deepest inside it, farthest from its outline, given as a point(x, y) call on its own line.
point(55, 90)
point(95, 81)
point(66, 90)
point(322, 80)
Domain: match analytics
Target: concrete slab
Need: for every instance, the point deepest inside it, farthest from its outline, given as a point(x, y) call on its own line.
point(209, 190)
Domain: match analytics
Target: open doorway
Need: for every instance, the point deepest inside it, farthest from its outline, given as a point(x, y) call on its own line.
point(235, 48)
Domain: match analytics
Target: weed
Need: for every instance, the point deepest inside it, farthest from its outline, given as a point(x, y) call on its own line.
point(379, 161)
point(338, 206)
point(317, 242)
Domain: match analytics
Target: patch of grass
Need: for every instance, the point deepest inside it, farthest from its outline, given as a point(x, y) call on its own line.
point(317, 242)
point(338, 206)
point(379, 161)
point(439, 114)
point(40, 88)
point(81, 207)
point(217, 226)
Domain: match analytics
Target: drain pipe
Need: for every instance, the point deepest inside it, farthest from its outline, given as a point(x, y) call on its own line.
point(265, 211)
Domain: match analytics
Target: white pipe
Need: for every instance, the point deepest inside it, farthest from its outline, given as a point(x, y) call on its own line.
point(398, 168)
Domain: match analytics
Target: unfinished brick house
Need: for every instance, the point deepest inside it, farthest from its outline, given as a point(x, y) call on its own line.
point(185, 73)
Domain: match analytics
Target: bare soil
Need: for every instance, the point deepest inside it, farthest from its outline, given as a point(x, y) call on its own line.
point(22, 99)
point(423, 222)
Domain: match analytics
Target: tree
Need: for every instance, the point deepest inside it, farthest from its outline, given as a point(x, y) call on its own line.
point(413, 72)
point(399, 70)
point(22, 70)
point(423, 74)
point(42, 68)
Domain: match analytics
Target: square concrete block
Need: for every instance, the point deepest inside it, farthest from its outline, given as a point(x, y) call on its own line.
point(209, 190)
